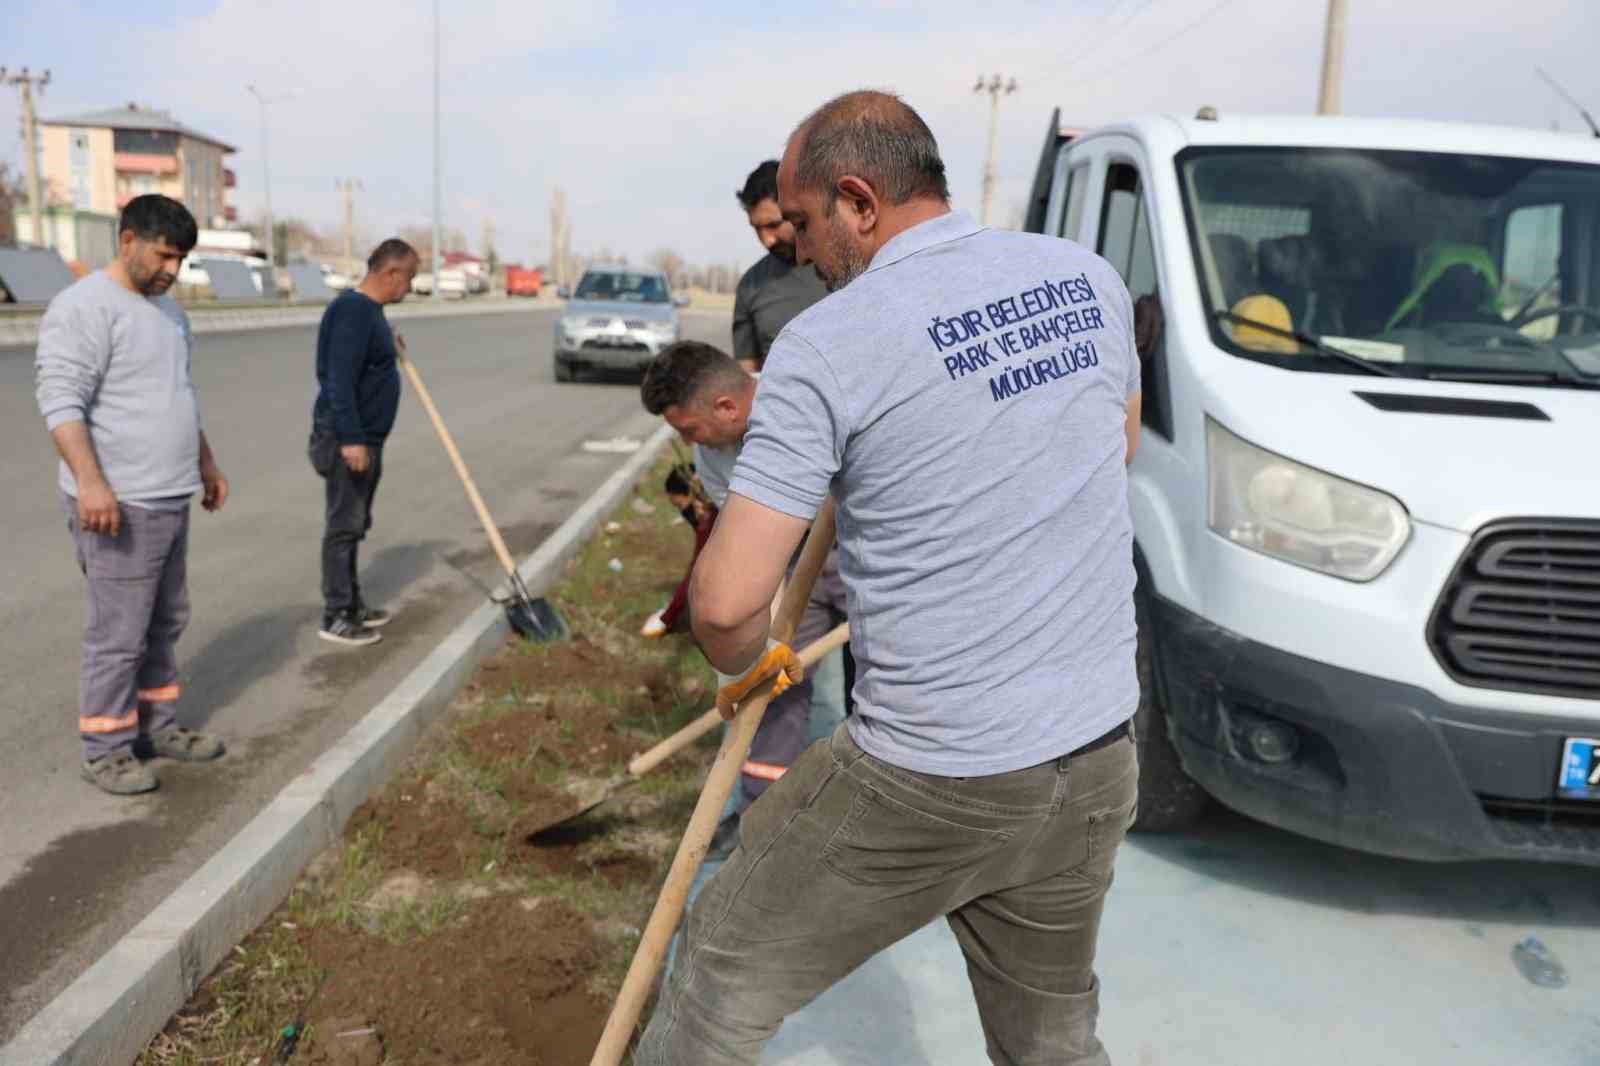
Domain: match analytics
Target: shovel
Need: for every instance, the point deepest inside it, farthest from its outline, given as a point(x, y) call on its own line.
point(591, 796)
point(531, 618)
point(651, 953)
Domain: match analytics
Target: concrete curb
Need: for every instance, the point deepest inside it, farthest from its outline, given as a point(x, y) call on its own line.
point(22, 331)
point(108, 1015)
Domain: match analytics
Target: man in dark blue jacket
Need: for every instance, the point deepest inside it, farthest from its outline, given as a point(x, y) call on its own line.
point(358, 395)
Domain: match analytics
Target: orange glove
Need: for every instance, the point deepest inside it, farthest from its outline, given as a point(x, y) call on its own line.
point(779, 663)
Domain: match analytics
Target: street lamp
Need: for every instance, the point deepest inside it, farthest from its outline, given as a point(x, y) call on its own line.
point(437, 223)
point(266, 171)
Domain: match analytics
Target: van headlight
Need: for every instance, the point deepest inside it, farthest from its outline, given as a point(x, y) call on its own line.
point(1276, 506)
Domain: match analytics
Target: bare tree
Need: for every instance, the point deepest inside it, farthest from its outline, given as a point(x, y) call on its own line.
point(671, 264)
point(12, 193)
point(421, 238)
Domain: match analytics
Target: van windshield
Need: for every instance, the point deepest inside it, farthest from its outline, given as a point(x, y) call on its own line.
point(620, 285)
point(1438, 265)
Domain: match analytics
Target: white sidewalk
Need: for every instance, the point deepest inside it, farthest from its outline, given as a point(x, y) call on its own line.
point(1243, 946)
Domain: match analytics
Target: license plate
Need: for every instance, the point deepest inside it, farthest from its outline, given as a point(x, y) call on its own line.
point(1579, 777)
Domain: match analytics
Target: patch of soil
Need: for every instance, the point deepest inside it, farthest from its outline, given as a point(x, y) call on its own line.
point(506, 983)
point(434, 838)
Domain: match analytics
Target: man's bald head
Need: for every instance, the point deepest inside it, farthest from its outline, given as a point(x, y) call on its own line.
point(875, 136)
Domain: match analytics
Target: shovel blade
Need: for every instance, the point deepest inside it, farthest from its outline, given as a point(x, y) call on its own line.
point(584, 800)
point(537, 620)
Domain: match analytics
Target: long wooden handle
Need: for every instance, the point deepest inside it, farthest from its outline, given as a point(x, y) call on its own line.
point(646, 761)
point(461, 467)
point(652, 950)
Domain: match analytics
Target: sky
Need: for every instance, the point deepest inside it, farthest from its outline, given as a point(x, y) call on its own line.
point(650, 115)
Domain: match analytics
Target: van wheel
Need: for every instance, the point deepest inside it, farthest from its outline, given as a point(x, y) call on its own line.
point(565, 371)
point(1169, 800)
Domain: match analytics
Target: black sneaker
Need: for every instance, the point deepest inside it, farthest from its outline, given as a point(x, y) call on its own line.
point(373, 617)
point(344, 629)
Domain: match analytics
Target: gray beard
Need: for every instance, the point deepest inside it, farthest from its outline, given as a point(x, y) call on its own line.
point(852, 264)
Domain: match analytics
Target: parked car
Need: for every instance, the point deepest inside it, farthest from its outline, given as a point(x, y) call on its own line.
point(422, 284)
point(454, 283)
point(616, 319)
point(1366, 527)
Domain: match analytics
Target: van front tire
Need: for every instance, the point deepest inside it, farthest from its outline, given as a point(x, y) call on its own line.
point(1169, 800)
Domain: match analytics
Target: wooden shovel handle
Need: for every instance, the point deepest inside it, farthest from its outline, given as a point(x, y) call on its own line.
point(646, 761)
point(652, 950)
point(461, 467)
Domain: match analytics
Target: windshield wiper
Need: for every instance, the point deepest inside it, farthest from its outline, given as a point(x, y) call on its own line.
point(1368, 365)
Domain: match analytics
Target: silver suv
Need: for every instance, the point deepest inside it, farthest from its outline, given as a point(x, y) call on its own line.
point(617, 319)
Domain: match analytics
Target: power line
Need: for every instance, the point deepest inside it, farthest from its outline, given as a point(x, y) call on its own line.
point(1112, 33)
point(1203, 18)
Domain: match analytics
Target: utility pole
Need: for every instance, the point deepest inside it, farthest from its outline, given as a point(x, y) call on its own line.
point(996, 88)
point(25, 83)
point(266, 172)
point(438, 223)
point(559, 247)
point(1328, 102)
point(348, 187)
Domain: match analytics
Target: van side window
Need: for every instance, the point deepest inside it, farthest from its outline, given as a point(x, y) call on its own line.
point(1126, 243)
point(1077, 196)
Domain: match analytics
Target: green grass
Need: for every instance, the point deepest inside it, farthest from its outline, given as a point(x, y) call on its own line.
point(241, 1008)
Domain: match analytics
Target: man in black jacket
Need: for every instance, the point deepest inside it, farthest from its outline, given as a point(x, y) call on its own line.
point(358, 395)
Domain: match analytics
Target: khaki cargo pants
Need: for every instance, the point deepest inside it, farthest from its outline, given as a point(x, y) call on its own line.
point(846, 854)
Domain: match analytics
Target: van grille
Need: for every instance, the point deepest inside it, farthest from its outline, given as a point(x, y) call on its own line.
point(1522, 610)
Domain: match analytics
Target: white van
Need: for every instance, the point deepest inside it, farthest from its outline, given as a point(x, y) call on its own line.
point(1366, 499)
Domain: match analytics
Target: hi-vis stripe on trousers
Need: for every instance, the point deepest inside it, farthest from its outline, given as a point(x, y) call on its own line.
point(137, 607)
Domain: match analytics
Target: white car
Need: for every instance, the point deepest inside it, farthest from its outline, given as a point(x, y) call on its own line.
point(1365, 500)
point(616, 319)
point(453, 283)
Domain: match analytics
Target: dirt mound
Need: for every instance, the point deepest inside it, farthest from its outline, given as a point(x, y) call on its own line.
point(505, 983)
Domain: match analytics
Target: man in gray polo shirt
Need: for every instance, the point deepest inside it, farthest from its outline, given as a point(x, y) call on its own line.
point(113, 384)
point(776, 288)
point(969, 397)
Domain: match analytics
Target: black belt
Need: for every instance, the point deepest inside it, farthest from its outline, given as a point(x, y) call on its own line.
point(1116, 733)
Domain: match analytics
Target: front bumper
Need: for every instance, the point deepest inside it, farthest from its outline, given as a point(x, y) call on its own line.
point(1382, 766)
point(609, 349)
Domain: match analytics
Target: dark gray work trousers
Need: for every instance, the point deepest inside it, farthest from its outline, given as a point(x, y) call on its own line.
point(137, 607)
point(347, 518)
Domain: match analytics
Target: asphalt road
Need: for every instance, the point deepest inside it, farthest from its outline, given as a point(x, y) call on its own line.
point(79, 868)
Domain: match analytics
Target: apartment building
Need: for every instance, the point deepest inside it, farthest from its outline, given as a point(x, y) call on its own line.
point(101, 160)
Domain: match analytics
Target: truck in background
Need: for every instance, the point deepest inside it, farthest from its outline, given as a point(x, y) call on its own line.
point(524, 281)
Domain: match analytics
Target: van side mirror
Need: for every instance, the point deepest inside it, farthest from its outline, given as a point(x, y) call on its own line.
point(564, 293)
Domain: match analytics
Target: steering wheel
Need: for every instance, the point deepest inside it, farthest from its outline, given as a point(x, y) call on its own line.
point(1562, 309)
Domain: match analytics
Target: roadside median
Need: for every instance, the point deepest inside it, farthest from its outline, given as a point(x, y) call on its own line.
point(23, 329)
point(114, 1009)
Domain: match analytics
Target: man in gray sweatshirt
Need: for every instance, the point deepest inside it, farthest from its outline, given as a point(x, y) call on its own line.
point(113, 384)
